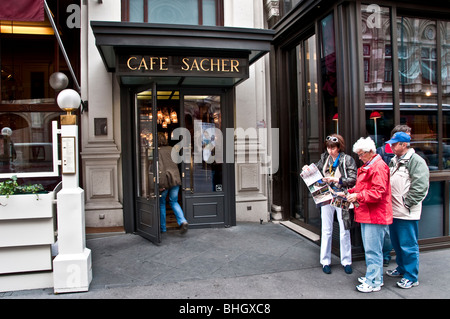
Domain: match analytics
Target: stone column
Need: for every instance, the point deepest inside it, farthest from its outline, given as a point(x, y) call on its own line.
point(100, 128)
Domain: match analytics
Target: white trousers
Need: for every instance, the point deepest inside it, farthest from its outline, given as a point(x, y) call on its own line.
point(326, 239)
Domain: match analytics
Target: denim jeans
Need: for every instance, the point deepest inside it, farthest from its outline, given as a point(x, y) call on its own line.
point(373, 239)
point(387, 247)
point(173, 201)
point(404, 238)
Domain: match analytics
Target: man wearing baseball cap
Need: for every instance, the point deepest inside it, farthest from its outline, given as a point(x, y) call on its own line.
point(409, 186)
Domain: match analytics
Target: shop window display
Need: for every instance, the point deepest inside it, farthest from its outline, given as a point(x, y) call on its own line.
point(29, 55)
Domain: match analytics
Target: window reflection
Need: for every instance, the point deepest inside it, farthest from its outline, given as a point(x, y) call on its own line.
point(174, 11)
point(445, 89)
point(23, 79)
point(377, 55)
point(26, 142)
point(28, 57)
point(305, 123)
point(431, 222)
point(418, 90)
point(423, 125)
point(328, 68)
point(146, 147)
point(288, 5)
point(203, 118)
point(418, 73)
point(190, 12)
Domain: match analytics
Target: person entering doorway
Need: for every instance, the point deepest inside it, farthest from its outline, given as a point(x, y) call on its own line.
point(169, 184)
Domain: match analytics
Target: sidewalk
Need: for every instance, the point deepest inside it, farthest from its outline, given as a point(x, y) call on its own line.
point(249, 261)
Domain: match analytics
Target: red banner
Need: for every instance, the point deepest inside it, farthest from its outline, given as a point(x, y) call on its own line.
point(22, 10)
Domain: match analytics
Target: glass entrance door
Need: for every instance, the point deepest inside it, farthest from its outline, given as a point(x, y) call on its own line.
point(147, 206)
point(193, 126)
point(203, 170)
point(305, 142)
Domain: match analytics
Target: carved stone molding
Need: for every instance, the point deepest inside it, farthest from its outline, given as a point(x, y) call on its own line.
point(272, 8)
point(100, 180)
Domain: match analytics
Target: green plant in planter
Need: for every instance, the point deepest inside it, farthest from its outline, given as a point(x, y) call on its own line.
point(11, 187)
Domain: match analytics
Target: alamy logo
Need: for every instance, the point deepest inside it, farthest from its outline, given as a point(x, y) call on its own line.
point(374, 20)
point(74, 19)
point(74, 277)
point(209, 146)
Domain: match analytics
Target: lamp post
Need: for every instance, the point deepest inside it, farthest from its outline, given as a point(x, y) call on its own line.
point(72, 267)
point(374, 116)
point(336, 118)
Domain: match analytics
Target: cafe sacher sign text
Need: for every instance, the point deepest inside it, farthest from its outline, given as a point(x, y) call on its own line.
point(182, 65)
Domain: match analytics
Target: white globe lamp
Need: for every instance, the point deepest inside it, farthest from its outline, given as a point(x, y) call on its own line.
point(68, 100)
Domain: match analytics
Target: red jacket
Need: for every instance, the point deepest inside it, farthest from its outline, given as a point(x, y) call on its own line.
point(374, 193)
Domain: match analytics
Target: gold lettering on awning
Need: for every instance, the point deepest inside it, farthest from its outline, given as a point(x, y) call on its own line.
point(184, 64)
point(128, 63)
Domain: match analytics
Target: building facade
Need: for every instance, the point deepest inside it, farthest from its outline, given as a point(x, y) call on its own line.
point(358, 68)
point(245, 90)
point(196, 67)
point(138, 64)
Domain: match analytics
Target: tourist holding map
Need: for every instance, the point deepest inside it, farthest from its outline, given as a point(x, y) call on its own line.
point(339, 174)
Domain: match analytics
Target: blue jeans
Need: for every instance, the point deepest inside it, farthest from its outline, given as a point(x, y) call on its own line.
point(373, 239)
point(173, 201)
point(387, 247)
point(404, 238)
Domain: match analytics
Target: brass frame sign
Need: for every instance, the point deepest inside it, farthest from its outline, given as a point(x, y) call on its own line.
point(183, 66)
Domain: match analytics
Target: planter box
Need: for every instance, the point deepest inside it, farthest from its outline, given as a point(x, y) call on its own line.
point(27, 206)
point(27, 232)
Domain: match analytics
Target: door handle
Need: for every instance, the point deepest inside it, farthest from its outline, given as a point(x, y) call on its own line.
point(191, 174)
point(157, 172)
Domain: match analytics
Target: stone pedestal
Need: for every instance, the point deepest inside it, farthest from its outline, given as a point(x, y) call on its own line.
point(72, 267)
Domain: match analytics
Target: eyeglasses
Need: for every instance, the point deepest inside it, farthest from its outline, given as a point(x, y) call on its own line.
point(361, 154)
point(333, 139)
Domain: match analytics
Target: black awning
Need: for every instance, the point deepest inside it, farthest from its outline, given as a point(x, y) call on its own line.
point(114, 37)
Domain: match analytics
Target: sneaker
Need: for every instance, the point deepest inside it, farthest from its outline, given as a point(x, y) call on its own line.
point(406, 283)
point(363, 280)
point(184, 228)
point(326, 269)
point(366, 288)
point(386, 262)
point(394, 273)
point(348, 269)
